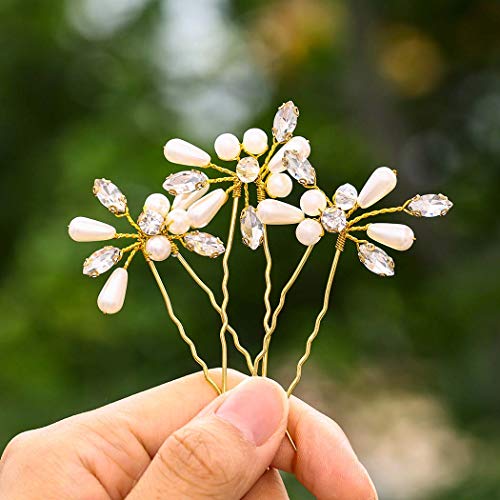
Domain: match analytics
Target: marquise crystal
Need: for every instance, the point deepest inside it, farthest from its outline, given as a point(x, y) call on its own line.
point(101, 261)
point(376, 260)
point(151, 222)
point(252, 230)
point(285, 121)
point(110, 196)
point(345, 197)
point(299, 169)
point(185, 182)
point(333, 220)
point(204, 244)
point(430, 205)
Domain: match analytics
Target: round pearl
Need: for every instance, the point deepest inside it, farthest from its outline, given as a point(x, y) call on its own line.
point(185, 153)
point(85, 229)
point(397, 236)
point(313, 202)
point(255, 141)
point(279, 185)
point(309, 232)
point(112, 295)
point(201, 212)
point(158, 248)
point(227, 147)
point(157, 202)
point(382, 181)
point(178, 221)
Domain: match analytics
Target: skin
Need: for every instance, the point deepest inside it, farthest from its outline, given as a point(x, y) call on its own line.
point(179, 440)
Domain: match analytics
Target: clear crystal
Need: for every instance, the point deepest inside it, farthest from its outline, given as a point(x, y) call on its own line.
point(285, 121)
point(204, 244)
point(252, 230)
point(376, 260)
point(101, 261)
point(150, 222)
point(345, 197)
point(185, 182)
point(110, 196)
point(299, 169)
point(247, 169)
point(333, 220)
point(430, 205)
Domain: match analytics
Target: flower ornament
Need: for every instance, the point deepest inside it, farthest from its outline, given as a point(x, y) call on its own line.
point(158, 230)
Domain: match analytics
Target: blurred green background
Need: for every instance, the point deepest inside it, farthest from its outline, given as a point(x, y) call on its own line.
point(409, 366)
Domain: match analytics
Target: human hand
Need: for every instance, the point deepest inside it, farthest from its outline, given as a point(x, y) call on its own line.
point(178, 441)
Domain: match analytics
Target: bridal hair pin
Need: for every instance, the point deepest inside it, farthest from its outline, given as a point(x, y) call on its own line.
point(260, 174)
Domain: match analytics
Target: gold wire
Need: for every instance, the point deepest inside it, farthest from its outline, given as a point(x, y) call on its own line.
point(222, 169)
point(359, 228)
point(274, 321)
point(247, 195)
point(216, 306)
point(180, 327)
point(356, 240)
point(379, 212)
point(220, 179)
point(225, 292)
point(132, 221)
point(132, 255)
point(265, 165)
point(126, 235)
point(317, 324)
point(267, 293)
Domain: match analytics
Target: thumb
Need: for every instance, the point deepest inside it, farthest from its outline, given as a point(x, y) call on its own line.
point(223, 451)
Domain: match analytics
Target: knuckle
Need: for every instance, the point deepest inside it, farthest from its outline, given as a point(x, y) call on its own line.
point(19, 445)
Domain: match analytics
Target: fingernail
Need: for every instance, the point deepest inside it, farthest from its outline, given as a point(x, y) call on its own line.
point(256, 408)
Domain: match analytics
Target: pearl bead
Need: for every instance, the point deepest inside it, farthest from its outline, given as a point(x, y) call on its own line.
point(279, 185)
point(276, 212)
point(309, 232)
point(255, 141)
point(184, 153)
point(178, 221)
point(382, 181)
point(158, 248)
point(157, 202)
point(313, 202)
point(227, 147)
point(397, 236)
point(299, 144)
point(112, 295)
point(204, 210)
point(185, 200)
point(85, 229)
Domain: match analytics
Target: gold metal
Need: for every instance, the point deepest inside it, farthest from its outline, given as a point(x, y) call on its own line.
point(221, 169)
point(379, 212)
point(132, 255)
point(267, 293)
point(220, 179)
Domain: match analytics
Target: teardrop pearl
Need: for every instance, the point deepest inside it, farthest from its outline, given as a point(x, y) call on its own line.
point(255, 141)
point(313, 202)
point(204, 210)
point(185, 153)
point(276, 212)
point(85, 229)
point(227, 147)
point(279, 185)
point(177, 221)
point(184, 201)
point(397, 236)
point(382, 181)
point(309, 232)
point(157, 202)
point(112, 295)
point(158, 248)
point(297, 143)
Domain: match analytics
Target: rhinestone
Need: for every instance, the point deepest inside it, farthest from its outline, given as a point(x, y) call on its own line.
point(184, 182)
point(345, 197)
point(150, 222)
point(252, 230)
point(110, 196)
point(430, 205)
point(376, 260)
point(247, 169)
point(299, 169)
point(285, 121)
point(204, 244)
point(333, 220)
point(101, 261)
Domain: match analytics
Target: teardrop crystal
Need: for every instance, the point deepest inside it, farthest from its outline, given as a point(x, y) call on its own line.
point(430, 205)
point(252, 230)
point(110, 196)
point(151, 222)
point(299, 169)
point(285, 121)
point(184, 182)
point(101, 261)
point(204, 244)
point(376, 260)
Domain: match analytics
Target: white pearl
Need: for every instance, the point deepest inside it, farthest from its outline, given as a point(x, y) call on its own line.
point(158, 248)
point(112, 295)
point(279, 185)
point(178, 221)
point(204, 210)
point(85, 229)
point(227, 147)
point(299, 144)
point(278, 213)
point(185, 200)
point(313, 202)
point(382, 181)
point(397, 236)
point(185, 153)
point(157, 202)
point(309, 232)
point(255, 141)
